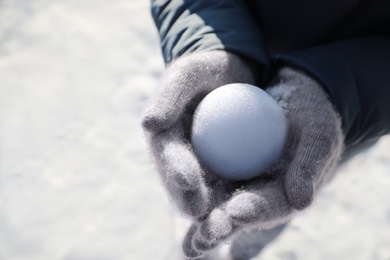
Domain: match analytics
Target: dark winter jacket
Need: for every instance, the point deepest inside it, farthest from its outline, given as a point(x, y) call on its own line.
point(344, 44)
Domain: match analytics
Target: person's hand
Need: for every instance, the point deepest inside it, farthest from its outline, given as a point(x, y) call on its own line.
point(167, 122)
point(314, 146)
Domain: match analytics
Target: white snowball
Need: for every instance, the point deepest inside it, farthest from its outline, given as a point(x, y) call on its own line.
point(239, 131)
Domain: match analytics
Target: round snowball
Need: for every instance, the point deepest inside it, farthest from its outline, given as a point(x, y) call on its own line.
point(239, 131)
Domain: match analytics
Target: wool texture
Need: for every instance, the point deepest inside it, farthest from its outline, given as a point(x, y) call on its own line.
point(221, 209)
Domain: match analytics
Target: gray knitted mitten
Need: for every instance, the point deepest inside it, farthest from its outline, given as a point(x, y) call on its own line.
point(220, 207)
point(314, 146)
point(167, 122)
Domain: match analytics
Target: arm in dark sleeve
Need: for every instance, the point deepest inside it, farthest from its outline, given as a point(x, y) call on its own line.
point(188, 26)
point(356, 74)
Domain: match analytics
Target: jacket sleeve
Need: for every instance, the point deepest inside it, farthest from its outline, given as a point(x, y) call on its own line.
point(187, 26)
point(356, 74)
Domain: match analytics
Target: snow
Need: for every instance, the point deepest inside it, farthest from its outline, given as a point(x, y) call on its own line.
point(229, 126)
point(76, 182)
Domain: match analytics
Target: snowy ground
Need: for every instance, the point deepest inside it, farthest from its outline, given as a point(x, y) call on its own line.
point(76, 182)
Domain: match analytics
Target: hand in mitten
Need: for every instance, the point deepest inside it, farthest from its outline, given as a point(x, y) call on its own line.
point(314, 146)
point(167, 122)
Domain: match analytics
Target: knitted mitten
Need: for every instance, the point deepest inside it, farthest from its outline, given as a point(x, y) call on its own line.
point(167, 122)
point(314, 146)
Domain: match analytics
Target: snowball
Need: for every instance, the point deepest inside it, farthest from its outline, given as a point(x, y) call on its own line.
point(239, 131)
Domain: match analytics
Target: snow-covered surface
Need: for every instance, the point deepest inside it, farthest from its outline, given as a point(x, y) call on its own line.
point(76, 182)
